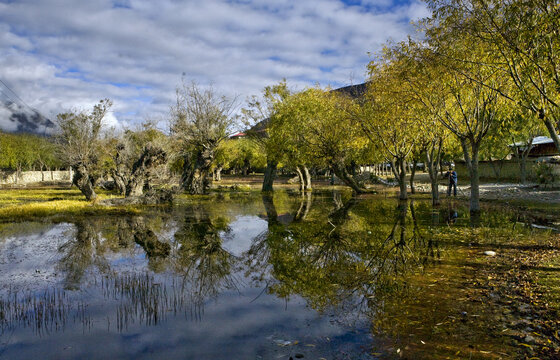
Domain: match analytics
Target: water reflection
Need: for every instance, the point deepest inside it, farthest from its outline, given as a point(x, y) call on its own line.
point(397, 270)
point(202, 262)
point(81, 253)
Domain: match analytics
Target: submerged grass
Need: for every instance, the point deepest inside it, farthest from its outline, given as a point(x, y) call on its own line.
point(32, 204)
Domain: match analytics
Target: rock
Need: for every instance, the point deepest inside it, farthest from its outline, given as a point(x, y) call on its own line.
point(299, 356)
point(529, 339)
point(490, 253)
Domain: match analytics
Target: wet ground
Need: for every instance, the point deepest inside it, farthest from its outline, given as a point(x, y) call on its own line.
point(245, 276)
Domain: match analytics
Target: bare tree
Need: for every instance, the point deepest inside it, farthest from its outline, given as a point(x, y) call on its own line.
point(78, 136)
point(200, 120)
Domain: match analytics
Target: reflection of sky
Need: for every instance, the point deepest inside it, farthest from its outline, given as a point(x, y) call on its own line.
point(243, 230)
point(232, 327)
point(241, 323)
point(29, 261)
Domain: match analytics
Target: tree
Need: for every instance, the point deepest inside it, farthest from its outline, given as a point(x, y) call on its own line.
point(315, 127)
point(200, 121)
point(259, 114)
point(521, 129)
point(469, 94)
point(78, 135)
point(523, 38)
point(391, 115)
point(135, 157)
point(419, 80)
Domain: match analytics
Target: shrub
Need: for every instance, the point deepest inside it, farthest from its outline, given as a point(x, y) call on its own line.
point(545, 174)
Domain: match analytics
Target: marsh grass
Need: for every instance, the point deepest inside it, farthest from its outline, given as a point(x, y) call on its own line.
point(32, 204)
point(44, 313)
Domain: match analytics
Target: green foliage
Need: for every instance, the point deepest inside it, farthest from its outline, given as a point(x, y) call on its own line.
point(242, 154)
point(26, 152)
point(313, 127)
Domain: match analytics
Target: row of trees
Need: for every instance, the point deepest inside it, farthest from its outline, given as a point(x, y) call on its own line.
point(484, 75)
point(27, 152)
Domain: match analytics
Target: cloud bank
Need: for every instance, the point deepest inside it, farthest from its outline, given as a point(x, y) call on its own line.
point(62, 54)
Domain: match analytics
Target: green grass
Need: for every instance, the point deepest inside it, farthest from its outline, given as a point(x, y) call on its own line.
point(33, 204)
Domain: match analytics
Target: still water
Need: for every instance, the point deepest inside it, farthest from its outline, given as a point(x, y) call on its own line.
point(245, 276)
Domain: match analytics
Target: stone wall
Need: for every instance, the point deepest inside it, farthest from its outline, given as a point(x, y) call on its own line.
point(32, 177)
point(509, 170)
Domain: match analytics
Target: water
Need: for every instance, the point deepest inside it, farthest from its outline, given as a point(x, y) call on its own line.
point(245, 276)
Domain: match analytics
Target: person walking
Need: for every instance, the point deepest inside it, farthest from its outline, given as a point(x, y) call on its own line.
point(452, 175)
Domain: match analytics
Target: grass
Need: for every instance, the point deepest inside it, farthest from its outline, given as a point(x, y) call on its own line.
point(33, 204)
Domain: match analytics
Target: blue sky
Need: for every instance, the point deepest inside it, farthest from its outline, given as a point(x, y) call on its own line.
point(62, 54)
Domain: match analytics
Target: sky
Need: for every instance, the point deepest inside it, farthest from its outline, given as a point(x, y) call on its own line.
point(59, 55)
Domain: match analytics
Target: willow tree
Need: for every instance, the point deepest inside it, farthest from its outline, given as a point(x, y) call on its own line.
point(523, 40)
point(390, 115)
point(316, 128)
point(471, 108)
point(419, 80)
point(135, 157)
point(259, 114)
point(78, 135)
point(200, 120)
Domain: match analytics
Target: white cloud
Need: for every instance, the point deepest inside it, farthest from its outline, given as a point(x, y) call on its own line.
point(58, 54)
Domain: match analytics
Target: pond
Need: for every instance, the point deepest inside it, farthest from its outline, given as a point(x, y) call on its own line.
point(247, 276)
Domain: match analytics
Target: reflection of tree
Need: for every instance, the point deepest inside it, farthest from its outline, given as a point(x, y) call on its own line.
point(82, 252)
point(94, 236)
point(137, 230)
point(354, 254)
point(204, 264)
point(304, 207)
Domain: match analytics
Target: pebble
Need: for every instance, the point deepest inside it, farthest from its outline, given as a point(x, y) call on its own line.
point(490, 253)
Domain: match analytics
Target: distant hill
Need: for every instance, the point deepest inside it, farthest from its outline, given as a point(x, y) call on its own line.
point(16, 118)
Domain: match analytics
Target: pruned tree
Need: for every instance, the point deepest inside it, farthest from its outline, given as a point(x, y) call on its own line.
point(78, 135)
point(200, 120)
point(137, 155)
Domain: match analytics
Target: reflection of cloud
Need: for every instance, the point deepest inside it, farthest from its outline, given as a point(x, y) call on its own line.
point(58, 54)
point(243, 231)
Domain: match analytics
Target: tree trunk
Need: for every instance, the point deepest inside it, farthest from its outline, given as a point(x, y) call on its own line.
point(150, 158)
point(83, 181)
point(551, 129)
point(412, 173)
point(433, 155)
point(471, 159)
point(218, 172)
point(269, 175)
point(398, 166)
point(497, 169)
point(119, 182)
point(195, 176)
point(341, 172)
point(306, 178)
point(523, 169)
point(301, 179)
